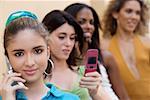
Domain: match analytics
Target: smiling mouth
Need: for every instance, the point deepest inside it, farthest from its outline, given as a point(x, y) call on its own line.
point(87, 35)
point(30, 72)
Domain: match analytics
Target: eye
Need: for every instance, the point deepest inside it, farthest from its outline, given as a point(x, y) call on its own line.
point(18, 54)
point(61, 37)
point(92, 22)
point(38, 51)
point(81, 22)
point(138, 12)
point(72, 37)
point(129, 10)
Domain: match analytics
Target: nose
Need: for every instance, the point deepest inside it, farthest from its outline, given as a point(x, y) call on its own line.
point(135, 15)
point(29, 61)
point(68, 42)
point(88, 26)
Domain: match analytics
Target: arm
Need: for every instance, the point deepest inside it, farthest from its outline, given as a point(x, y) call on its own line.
point(104, 44)
point(101, 95)
point(114, 76)
point(145, 40)
point(92, 81)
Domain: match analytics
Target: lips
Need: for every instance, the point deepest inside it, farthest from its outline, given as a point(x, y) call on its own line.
point(132, 23)
point(87, 35)
point(30, 72)
point(66, 51)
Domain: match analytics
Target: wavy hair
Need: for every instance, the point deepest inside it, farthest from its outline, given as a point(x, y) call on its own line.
point(110, 24)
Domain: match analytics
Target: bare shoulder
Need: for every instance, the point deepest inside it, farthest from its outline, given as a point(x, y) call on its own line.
point(106, 54)
point(109, 61)
point(145, 40)
point(108, 57)
point(105, 43)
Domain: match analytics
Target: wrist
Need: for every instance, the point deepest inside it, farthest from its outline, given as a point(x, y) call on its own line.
point(8, 96)
point(96, 95)
point(100, 95)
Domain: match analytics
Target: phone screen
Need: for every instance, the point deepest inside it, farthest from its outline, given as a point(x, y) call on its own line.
point(91, 60)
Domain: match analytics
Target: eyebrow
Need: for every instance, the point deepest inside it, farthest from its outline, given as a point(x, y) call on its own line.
point(38, 47)
point(64, 33)
point(17, 50)
point(81, 18)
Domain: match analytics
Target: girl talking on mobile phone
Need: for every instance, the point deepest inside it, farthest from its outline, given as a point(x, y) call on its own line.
point(25, 44)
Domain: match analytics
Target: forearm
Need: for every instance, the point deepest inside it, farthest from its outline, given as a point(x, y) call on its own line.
point(101, 95)
point(119, 88)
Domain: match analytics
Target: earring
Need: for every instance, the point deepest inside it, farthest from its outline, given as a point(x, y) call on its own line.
point(52, 64)
point(49, 68)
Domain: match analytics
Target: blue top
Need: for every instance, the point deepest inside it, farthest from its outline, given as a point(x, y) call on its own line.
point(52, 94)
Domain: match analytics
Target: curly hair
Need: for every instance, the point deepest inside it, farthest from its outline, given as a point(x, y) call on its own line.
point(110, 24)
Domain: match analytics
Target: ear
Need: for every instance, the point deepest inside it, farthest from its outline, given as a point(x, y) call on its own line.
point(48, 52)
point(115, 15)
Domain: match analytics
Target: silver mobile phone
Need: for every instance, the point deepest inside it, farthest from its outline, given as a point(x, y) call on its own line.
point(10, 70)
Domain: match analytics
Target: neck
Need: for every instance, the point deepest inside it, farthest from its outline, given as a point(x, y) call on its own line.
point(126, 36)
point(85, 48)
point(36, 89)
point(59, 65)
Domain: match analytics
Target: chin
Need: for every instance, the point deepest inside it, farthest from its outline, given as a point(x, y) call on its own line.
point(131, 29)
point(30, 79)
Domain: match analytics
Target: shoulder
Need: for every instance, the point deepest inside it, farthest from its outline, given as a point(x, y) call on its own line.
point(105, 43)
point(61, 95)
point(145, 40)
point(109, 60)
point(107, 56)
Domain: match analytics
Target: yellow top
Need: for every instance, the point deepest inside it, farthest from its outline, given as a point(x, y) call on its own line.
point(138, 89)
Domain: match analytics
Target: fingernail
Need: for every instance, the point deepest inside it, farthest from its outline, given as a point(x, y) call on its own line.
point(26, 87)
point(86, 74)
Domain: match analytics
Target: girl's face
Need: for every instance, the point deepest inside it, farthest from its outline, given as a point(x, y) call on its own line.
point(85, 19)
point(62, 41)
point(129, 16)
point(28, 54)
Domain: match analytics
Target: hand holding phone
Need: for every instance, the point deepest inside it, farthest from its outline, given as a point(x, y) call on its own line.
point(10, 70)
point(91, 60)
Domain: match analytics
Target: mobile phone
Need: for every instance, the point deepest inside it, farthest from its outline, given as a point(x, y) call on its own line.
point(10, 70)
point(91, 60)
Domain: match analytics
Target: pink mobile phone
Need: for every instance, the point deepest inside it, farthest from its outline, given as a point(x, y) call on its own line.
point(91, 60)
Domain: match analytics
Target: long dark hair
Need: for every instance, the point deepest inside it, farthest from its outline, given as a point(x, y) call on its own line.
point(55, 19)
point(74, 9)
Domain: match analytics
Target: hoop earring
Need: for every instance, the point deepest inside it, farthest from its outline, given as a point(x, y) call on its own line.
point(52, 67)
point(52, 64)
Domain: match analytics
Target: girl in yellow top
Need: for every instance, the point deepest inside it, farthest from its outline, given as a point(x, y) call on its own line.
point(124, 25)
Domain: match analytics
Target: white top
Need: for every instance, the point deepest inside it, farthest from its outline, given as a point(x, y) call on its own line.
point(106, 83)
